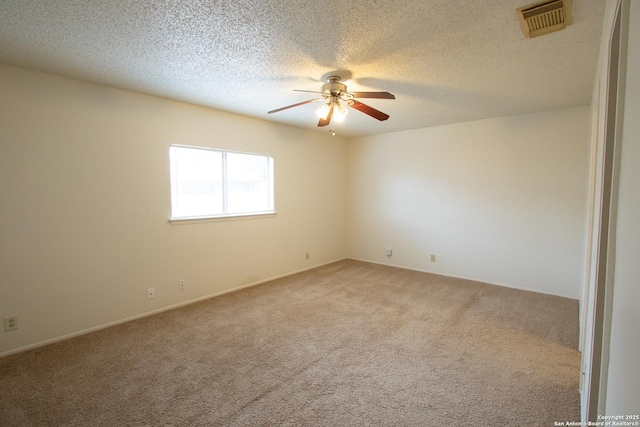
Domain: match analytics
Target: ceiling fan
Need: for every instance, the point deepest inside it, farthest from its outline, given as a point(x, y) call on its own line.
point(336, 96)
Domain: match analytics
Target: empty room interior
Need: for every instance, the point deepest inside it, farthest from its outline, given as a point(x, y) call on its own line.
point(426, 212)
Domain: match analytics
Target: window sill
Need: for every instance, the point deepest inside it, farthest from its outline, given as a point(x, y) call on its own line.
point(203, 219)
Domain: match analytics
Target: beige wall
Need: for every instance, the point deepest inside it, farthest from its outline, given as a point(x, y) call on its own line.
point(500, 200)
point(85, 200)
point(85, 203)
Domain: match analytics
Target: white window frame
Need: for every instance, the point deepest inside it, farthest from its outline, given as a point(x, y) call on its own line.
point(225, 189)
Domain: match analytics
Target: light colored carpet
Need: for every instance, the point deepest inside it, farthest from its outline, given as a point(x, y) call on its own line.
point(347, 344)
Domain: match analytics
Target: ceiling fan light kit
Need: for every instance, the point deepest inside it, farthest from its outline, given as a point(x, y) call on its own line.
point(339, 111)
point(336, 100)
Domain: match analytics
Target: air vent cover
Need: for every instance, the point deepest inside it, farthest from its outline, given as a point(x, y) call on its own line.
point(544, 17)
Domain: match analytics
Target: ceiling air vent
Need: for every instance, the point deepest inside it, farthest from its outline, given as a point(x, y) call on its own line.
point(544, 17)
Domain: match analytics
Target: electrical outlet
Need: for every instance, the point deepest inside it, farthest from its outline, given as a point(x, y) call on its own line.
point(306, 255)
point(151, 293)
point(389, 252)
point(10, 323)
point(182, 285)
point(433, 258)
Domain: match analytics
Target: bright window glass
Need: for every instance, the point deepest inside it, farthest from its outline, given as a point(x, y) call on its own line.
point(208, 183)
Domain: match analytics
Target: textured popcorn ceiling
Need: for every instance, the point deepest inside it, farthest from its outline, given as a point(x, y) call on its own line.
point(446, 61)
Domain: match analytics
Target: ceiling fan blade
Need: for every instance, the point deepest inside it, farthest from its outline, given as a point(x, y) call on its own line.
point(309, 91)
point(325, 121)
point(380, 95)
point(368, 110)
point(295, 105)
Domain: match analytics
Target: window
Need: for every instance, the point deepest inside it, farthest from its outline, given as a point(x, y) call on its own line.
point(209, 183)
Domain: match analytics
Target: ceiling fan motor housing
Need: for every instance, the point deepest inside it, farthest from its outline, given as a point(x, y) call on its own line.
point(334, 87)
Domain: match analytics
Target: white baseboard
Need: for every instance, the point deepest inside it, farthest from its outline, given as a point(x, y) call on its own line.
point(504, 285)
point(159, 310)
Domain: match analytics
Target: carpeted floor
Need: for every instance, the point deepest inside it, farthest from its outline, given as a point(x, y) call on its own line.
point(347, 344)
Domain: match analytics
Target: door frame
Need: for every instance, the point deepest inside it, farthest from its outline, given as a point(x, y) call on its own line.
point(600, 265)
